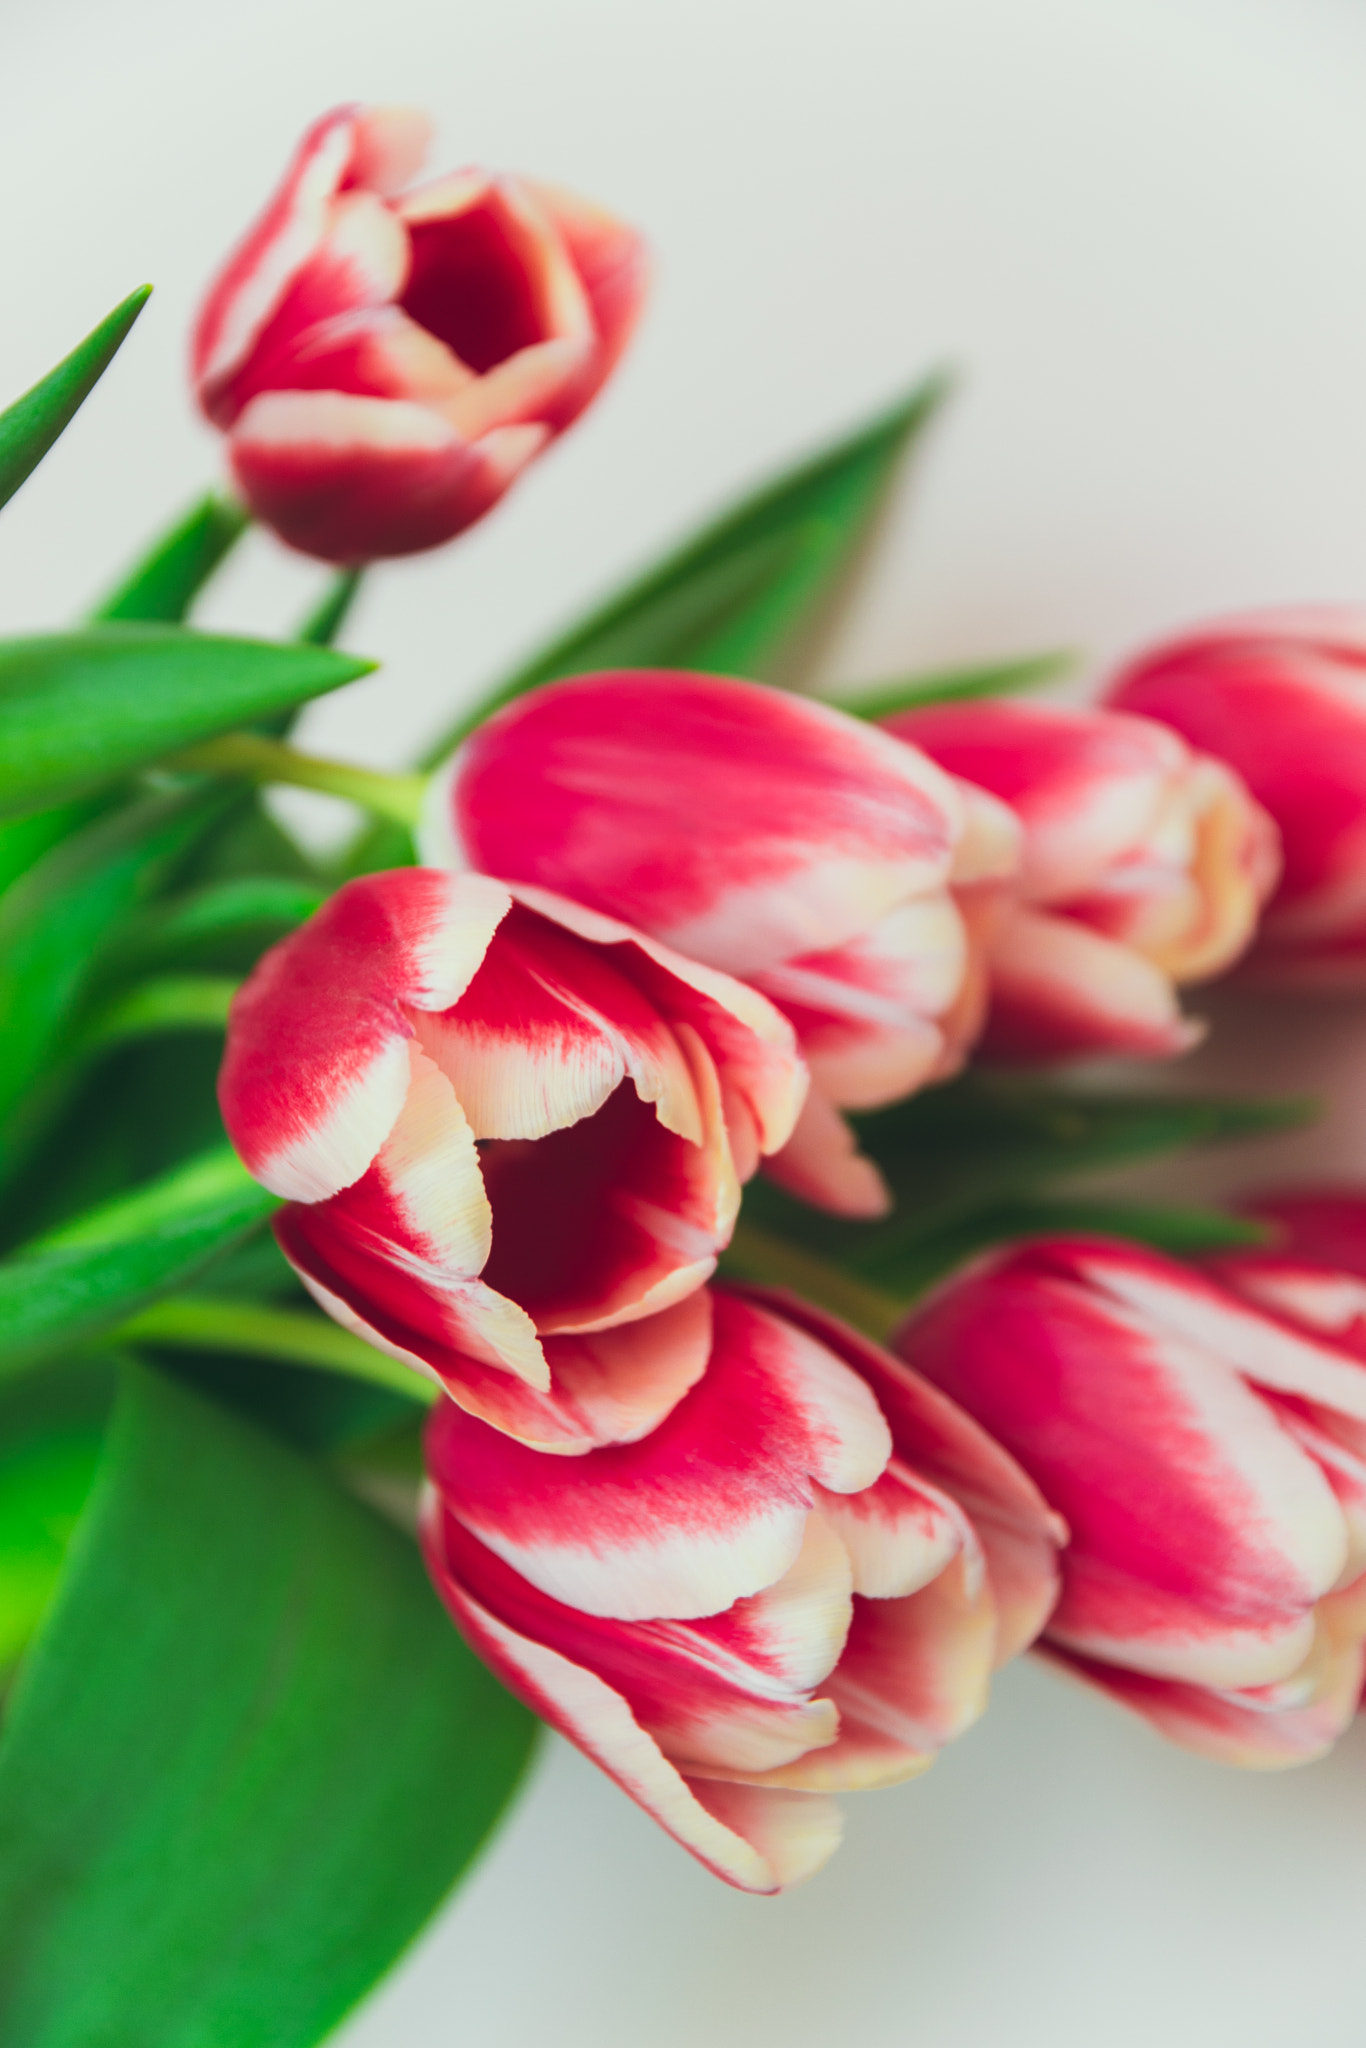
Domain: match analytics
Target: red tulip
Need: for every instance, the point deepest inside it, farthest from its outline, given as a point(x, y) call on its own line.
point(1210, 1462)
point(1144, 868)
point(386, 361)
point(508, 1130)
point(798, 1583)
point(1282, 698)
point(762, 833)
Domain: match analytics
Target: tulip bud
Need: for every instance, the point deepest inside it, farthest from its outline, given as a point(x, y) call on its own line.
point(1282, 698)
point(1210, 1462)
point(797, 1584)
point(759, 832)
point(1144, 867)
point(385, 361)
point(511, 1134)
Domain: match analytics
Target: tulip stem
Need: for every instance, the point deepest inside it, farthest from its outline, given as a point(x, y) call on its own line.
point(770, 1261)
point(251, 1329)
point(250, 754)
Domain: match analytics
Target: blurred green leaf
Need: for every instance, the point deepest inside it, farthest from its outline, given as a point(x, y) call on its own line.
point(162, 1003)
point(51, 1431)
point(226, 923)
point(77, 709)
point(30, 426)
point(166, 581)
point(329, 615)
point(734, 595)
point(245, 1758)
point(950, 686)
point(101, 1269)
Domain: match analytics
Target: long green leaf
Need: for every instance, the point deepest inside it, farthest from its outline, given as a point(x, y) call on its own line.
point(78, 709)
point(31, 425)
point(734, 596)
point(957, 685)
point(67, 1293)
point(166, 581)
point(245, 1759)
point(51, 1430)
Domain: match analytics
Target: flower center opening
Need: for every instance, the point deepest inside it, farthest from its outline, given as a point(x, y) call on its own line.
point(470, 286)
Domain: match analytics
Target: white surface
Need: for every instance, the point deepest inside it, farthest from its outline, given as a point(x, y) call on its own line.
point(1140, 226)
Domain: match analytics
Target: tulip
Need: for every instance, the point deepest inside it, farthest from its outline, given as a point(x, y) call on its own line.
point(761, 833)
point(385, 361)
point(797, 1584)
point(1210, 1462)
point(1281, 696)
point(1144, 867)
point(511, 1135)
point(1313, 1272)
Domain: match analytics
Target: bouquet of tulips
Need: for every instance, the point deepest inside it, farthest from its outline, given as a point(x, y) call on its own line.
point(612, 1244)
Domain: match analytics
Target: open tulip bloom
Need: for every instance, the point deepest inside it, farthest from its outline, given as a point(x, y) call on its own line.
point(748, 1506)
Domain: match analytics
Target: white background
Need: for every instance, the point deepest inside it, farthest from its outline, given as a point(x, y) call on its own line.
point(1139, 227)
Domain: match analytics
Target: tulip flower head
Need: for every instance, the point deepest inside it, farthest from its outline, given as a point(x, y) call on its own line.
point(1281, 697)
point(798, 1583)
point(1144, 867)
point(761, 833)
point(511, 1135)
point(385, 361)
point(1210, 1462)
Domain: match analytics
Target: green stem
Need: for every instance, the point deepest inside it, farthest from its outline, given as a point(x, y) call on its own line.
point(327, 618)
point(171, 1002)
point(258, 759)
point(206, 1323)
point(760, 1255)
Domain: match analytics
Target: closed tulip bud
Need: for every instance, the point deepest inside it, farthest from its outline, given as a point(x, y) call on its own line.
point(798, 1583)
point(1210, 1462)
point(385, 361)
point(1144, 867)
point(759, 832)
point(511, 1135)
point(1281, 697)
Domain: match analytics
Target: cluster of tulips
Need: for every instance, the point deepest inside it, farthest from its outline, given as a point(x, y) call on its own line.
point(667, 929)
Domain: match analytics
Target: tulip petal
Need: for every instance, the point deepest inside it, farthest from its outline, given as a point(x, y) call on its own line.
point(821, 1163)
point(709, 1508)
point(1201, 1533)
point(317, 1067)
point(740, 824)
point(900, 1533)
point(757, 1841)
point(352, 479)
point(1059, 989)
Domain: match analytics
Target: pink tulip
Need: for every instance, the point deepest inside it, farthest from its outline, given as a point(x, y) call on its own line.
point(386, 361)
point(798, 1583)
point(1210, 1462)
point(1281, 696)
point(767, 835)
point(1144, 867)
point(508, 1131)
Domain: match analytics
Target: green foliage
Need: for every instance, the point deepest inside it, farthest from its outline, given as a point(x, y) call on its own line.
point(246, 1757)
point(51, 1430)
point(79, 709)
point(31, 425)
point(165, 582)
point(959, 685)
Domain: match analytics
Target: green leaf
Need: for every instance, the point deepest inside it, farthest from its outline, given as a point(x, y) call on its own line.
point(166, 581)
point(326, 620)
point(77, 709)
point(951, 686)
point(734, 596)
point(51, 1431)
point(96, 1272)
point(245, 1758)
point(243, 913)
point(31, 425)
point(167, 1002)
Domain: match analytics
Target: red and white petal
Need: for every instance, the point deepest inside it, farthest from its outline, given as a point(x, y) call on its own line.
point(352, 479)
point(709, 1508)
point(317, 1063)
point(940, 1444)
point(821, 1163)
point(757, 1841)
point(900, 1533)
point(740, 824)
point(1085, 784)
point(1201, 1533)
point(763, 1078)
point(613, 267)
point(619, 1384)
point(1262, 1347)
point(1218, 1724)
point(787, 1639)
point(992, 845)
point(547, 1030)
point(1060, 989)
